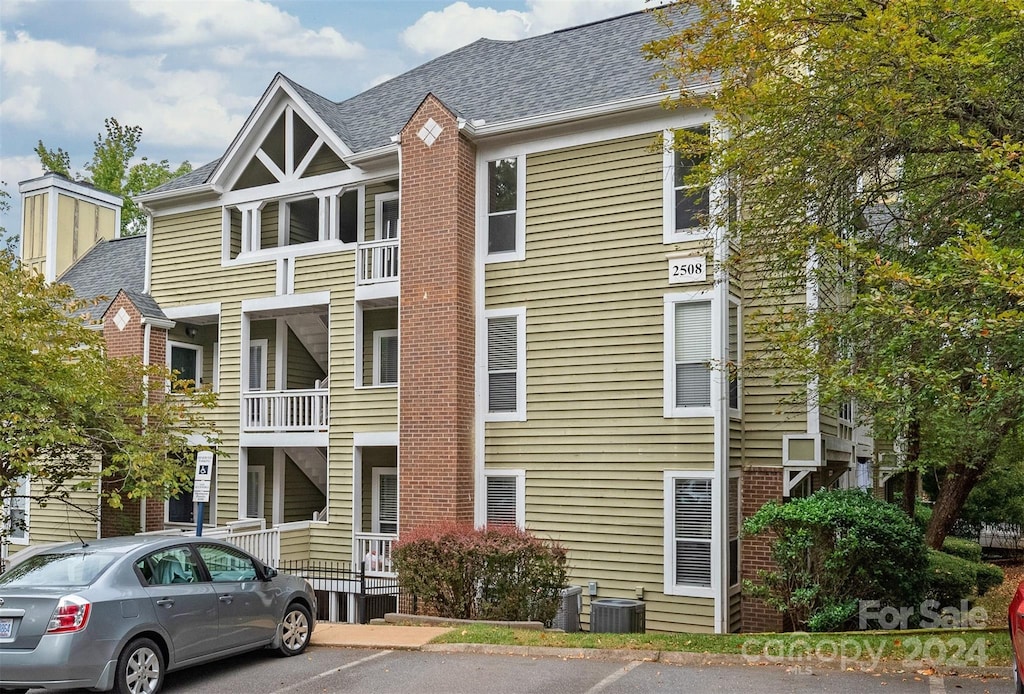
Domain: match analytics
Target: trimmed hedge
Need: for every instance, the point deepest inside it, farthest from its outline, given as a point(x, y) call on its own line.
point(952, 578)
point(462, 572)
point(965, 549)
point(831, 550)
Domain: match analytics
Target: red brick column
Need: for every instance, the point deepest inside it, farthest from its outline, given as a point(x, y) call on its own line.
point(127, 341)
point(760, 485)
point(436, 321)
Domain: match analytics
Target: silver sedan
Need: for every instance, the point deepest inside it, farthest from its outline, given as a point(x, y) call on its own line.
point(118, 613)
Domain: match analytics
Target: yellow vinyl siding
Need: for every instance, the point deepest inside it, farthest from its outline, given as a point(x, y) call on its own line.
point(187, 263)
point(34, 215)
point(323, 162)
point(593, 284)
point(303, 370)
point(60, 521)
point(301, 497)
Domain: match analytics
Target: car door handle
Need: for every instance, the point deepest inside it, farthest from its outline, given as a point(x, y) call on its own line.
point(166, 602)
point(226, 598)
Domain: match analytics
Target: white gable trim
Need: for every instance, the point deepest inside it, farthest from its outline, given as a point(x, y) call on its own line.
point(278, 97)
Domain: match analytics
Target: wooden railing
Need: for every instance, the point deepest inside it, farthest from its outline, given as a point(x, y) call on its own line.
point(378, 262)
point(375, 550)
point(285, 410)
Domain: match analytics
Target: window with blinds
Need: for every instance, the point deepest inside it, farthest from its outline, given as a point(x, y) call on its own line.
point(386, 507)
point(691, 532)
point(734, 531)
point(734, 356)
point(502, 500)
point(692, 352)
point(385, 357)
point(502, 364)
point(388, 219)
point(258, 365)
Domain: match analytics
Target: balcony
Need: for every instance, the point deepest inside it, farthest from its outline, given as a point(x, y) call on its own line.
point(375, 550)
point(377, 262)
point(285, 411)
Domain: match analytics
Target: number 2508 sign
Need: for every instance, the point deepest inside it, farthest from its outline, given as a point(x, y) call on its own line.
point(690, 269)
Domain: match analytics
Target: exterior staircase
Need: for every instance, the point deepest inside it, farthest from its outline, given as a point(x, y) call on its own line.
point(311, 329)
point(313, 463)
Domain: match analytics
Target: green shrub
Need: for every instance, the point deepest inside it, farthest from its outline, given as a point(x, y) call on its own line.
point(462, 572)
point(965, 549)
point(831, 550)
point(950, 578)
point(989, 576)
point(922, 515)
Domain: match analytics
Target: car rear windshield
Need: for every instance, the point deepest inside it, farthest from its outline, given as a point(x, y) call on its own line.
point(57, 570)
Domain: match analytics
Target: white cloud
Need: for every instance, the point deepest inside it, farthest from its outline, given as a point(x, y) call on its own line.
point(459, 24)
point(20, 168)
point(380, 79)
point(28, 57)
point(249, 27)
point(23, 104)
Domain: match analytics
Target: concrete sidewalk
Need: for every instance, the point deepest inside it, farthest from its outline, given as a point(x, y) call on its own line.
point(374, 635)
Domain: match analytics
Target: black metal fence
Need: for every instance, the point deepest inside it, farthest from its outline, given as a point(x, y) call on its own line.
point(375, 595)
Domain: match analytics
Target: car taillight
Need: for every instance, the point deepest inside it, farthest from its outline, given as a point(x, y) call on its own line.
point(72, 614)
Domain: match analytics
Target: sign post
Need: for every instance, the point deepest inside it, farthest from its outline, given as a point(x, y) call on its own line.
point(201, 486)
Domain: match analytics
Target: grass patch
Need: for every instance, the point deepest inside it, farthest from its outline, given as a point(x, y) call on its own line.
point(949, 646)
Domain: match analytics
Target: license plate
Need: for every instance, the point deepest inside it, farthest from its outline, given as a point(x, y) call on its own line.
point(6, 627)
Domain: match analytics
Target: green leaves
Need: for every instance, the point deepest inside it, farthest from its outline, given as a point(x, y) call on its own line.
point(66, 408)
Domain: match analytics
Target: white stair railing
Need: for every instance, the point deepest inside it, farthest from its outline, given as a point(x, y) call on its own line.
point(286, 410)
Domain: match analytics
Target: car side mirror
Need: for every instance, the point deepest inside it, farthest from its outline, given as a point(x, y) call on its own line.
point(269, 572)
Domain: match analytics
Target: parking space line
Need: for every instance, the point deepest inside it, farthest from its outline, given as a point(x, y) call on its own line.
point(330, 672)
point(614, 676)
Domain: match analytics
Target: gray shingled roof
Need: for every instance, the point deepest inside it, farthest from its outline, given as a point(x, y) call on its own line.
point(109, 267)
point(497, 81)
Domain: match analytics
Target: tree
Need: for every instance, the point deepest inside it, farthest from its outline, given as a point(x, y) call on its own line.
point(64, 405)
point(109, 169)
point(875, 147)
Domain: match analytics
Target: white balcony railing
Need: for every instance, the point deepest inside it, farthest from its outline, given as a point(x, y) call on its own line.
point(375, 550)
point(285, 410)
point(378, 262)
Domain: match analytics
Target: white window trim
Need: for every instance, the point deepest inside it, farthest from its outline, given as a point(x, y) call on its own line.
point(260, 473)
point(670, 233)
point(520, 476)
point(378, 335)
point(22, 489)
point(670, 587)
point(519, 414)
point(378, 208)
point(263, 344)
point(375, 496)
point(198, 349)
point(483, 192)
point(736, 412)
point(671, 410)
point(216, 365)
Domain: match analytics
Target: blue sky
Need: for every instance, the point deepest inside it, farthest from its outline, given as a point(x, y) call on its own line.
point(189, 72)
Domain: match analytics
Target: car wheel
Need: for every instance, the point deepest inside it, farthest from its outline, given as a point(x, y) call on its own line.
point(295, 630)
point(140, 669)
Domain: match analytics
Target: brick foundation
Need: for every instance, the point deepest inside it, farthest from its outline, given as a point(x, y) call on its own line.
point(760, 485)
point(436, 317)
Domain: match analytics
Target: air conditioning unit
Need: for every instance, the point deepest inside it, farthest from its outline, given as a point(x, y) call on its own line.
point(568, 616)
point(618, 616)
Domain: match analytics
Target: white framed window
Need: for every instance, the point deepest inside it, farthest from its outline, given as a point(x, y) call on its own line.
point(385, 357)
point(689, 533)
point(505, 498)
point(257, 365)
point(384, 504)
point(734, 356)
point(505, 225)
point(256, 476)
point(689, 353)
point(15, 513)
point(187, 360)
point(686, 206)
point(386, 219)
point(505, 335)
